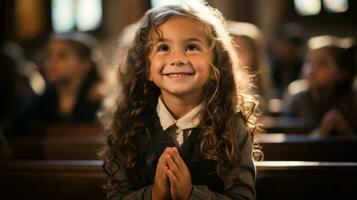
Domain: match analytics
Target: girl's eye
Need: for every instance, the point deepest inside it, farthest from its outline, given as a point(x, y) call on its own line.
point(192, 47)
point(163, 48)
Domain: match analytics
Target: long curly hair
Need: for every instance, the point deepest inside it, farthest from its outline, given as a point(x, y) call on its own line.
point(227, 94)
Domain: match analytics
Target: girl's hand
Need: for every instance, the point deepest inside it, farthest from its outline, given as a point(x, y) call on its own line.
point(160, 189)
point(179, 175)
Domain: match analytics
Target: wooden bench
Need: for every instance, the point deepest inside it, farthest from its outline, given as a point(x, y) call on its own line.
point(84, 143)
point(65, 142)
point(276, 180)
point(306, 180)
point(285, 125)
point(77, 180)
point(308, 148)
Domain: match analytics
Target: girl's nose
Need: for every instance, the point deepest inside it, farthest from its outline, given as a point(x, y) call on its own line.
point(178, 59)
point(177, 62)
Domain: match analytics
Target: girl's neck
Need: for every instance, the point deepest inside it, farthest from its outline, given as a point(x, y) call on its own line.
point(179, 106)
point(67, 95)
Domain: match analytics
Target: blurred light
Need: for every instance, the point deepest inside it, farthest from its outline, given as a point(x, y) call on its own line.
point(326, 40)
point(37, 83)
point(298, 86)
point(321, 41)
point(63, 18)
point(336, 6)
point(271, 138)
point(289, 163)
point(347, 42)
point(275, 105)
point(300, 163)
point(307, 7)
point(89, 14)
point(156, 3)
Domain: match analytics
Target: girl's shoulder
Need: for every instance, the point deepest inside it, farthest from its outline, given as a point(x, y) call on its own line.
point(240, 125)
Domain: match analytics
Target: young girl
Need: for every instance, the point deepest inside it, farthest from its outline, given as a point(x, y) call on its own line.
point(184, 124)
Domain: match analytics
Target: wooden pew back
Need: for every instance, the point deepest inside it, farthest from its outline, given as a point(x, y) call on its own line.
point(292, 147)
point(84, 179)
point(65, 142)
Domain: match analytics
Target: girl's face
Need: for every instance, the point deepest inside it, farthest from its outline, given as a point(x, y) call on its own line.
point(320, 69)
point(62, 64)
point(180, 59)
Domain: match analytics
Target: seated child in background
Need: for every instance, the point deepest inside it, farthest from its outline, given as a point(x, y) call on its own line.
point(185, 120)
point(329, 104)
point(72, 94)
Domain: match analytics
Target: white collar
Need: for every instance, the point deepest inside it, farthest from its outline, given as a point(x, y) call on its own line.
point(189, 120)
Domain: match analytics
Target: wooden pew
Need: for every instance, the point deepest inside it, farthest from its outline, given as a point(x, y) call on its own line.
point(55, 180)
point(306, 180)
point(307, 148)
point(276, 180)
point(65, 142)
point(84, 143)
point(285, 125)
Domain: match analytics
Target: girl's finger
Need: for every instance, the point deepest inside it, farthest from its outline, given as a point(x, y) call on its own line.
point(172, 165)
point(175, 155)
point(173, 182)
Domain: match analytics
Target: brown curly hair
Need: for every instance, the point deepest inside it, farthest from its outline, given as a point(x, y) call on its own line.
point(227, 94)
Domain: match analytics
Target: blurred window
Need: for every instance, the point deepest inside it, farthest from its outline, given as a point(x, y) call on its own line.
point(307, 7)
point(81, 15)
point(155, 3)
point(336, 6)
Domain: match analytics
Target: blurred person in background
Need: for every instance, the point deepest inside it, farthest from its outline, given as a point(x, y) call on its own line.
point(252, 51)
point(329, 103)
point(19, 78)
point(286, 56)
point(72, 94)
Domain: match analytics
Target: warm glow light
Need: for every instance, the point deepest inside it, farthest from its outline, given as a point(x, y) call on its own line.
point(275, 105)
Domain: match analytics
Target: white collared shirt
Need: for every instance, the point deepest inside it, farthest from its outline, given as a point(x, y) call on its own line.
point(174, 127)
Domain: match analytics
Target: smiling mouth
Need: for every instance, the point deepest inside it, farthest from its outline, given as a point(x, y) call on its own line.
point(177, 75)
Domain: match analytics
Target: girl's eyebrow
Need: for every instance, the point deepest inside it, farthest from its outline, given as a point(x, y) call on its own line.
point(185, 40)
